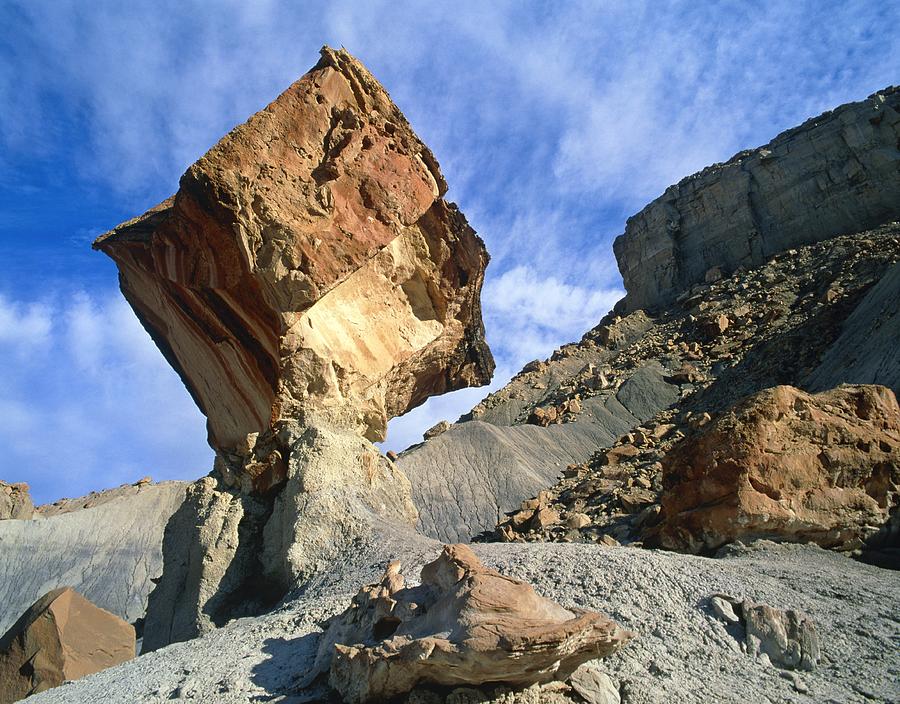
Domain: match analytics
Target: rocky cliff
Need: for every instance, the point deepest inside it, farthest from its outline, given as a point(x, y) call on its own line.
point(835, 174)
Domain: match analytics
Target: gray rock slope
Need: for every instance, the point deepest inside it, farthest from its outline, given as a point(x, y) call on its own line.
point(467, 478)
point(109, 553)
point(682, 654)
point(868, 350)
point(834, 174)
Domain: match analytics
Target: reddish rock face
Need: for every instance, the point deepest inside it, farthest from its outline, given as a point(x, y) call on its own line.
point(15, 501)
point(63, 636)
point(309, 265)
point(787, 464)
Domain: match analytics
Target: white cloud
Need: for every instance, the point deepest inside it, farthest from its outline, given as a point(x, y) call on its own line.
point(88, 401)
point(552, 122)
point(24, 328)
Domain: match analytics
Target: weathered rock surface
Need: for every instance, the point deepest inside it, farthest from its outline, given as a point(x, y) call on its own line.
point(834, 174)
point(63, 636)
point(15, 501)
point(788, 464)
point(785, 317)
point(227, 554)
point(683, 652)
point(109, 552)
point(309, 268)
point(867, 351)
point(465, 624)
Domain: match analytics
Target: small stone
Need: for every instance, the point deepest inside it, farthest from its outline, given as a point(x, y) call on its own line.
point(578, 520)
point(594, 686)
point(436, 429)
point(392, 456)
point(723, 609)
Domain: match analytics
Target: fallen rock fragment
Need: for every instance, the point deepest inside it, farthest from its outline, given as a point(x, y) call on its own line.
point(786, 637)
point(465, 624)
point(15, 501)
point(787, 464)
point(438, 428)
point(62, 636)
point(593, 685)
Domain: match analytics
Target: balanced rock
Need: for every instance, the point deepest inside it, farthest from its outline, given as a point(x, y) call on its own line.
point(465, 624)
point(786, 464)
point(834, 174)
point(15, 501)
point(63, 636)
point(308, 268)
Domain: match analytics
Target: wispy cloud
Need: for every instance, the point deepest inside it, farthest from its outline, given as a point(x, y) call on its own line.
point(552, 122)
point(87, 401)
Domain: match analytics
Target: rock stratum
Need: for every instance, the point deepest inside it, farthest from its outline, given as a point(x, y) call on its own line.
point(835, 174)
point(309, 268)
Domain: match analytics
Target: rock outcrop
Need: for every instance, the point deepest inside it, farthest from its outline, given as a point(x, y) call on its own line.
point(309, 269)
point(228, 554)
point(61, 637)
point(465, 624)
point(783, 463)
point(835, 174)
point(786, 320)
point(110, 551)
point(785, 638)
point(15, 501)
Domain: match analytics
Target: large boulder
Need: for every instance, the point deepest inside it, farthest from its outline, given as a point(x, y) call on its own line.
point(309, 269)
point(63, 636)
point(835, 174)
point(783, 463)
point(15, 501)
point(465, 624)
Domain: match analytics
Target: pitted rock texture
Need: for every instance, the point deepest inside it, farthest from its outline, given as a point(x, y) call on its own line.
point(15, 501)
point(783, 463)
point(834, 174)
point(465, 624)
point(109, 551)
point(62, 636)
point(228, 554)
point(309, 266)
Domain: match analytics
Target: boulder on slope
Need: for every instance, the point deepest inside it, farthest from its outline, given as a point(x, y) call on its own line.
point(787, 464)
point(63, 636)
point(309, 267)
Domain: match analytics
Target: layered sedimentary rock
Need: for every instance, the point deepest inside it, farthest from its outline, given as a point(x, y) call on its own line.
point(109, 551)
point(309, 268)
point(465, 624)
point(15, 501)
point(867, 351)
point(228, 554)
point(834, 174)
point(783, 463)
point(61, 637)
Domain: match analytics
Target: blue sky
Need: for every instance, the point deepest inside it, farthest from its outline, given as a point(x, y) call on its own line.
point(552, 121)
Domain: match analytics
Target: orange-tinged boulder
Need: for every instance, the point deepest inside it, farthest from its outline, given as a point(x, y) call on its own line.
point(309, 267)
point(63, 636)
point(466, 624)
point(786, 464)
